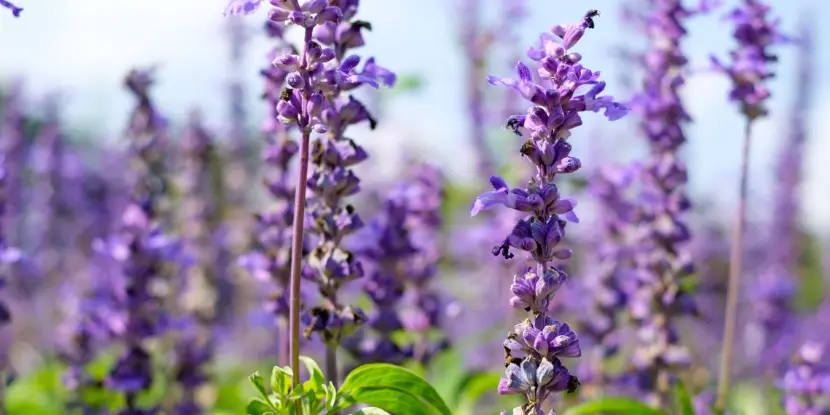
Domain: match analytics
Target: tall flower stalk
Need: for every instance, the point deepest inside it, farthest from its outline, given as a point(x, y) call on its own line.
point(141, 248)
point(403, 253)
point(749, 70)
point(534, 347)
point(314, 102)
point(662, 260)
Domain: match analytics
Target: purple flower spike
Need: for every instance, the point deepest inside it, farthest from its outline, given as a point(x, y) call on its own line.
point(534, 347)
point(309, 91)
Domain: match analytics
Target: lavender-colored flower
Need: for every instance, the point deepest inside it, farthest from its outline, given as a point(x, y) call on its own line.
point(314, 101)
point(750, 66)
point(402, 261)
point(609, 265)
point(806, 385)
point(9, 5)
point(656, 300)
point(749, 70)
point(142, 249)
point(533, 349)
point(777, 283)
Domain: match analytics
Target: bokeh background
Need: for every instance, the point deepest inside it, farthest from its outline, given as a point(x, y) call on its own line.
point(82, 49)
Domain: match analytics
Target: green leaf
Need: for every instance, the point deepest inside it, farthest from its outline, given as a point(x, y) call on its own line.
point(684, 400)
point(384, 375)
point(615, 406)
point(280, 381)
point(259, 384)
point(396, 401)
point(258, 407)
point(317, 377)
point(371, 411)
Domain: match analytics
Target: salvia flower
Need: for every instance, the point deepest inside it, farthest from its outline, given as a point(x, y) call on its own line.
point(750, 61)
point(806, 385)
point(9, 5)
point(608, 267)
point(777, 283)
point(566, 90)
point(403, 256)
point(315, 102)
point(143, 250)
point(662, 259)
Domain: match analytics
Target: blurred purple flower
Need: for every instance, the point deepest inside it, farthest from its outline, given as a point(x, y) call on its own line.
point(14, 9)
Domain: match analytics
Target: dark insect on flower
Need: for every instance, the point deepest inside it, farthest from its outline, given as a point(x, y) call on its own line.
point(360, 24)
point(285, 95)
point(514, 123)
point(589, 17)
point(573, 384)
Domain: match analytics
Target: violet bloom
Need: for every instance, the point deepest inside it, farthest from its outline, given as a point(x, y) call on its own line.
point(9, 5)
point(751, 60)
point(662, 259)
point(142, 249)
point(773, 293)
point(749, 69)
point(534, 348)
point(608, 269)
point(403, 259)
point(806, 385)
point(270, 261)
point(8, 255)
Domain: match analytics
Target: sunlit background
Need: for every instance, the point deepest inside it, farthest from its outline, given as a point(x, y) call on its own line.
point(82, 48)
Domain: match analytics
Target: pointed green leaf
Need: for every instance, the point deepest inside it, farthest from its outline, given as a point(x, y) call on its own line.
point(684, 400)
point(258, 407)
point(280, 381)
point(258, 382)
point(297, 392)
point(314, 371)
point(384, 375)
point(396, 401)
point(613, 406)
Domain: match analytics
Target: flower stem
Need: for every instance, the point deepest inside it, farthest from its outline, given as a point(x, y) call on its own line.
point(299, 220)
point(296, 259)
point(734, 275)
point(331, 363)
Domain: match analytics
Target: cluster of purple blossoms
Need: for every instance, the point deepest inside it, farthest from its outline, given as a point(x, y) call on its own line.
point(8, 255)
point(806, 385)
point(750, 68)
point(403, 259)
point(606, 275)
point(271, 260)
point(777, 283)
point(534, 347)
point(9, 5)
point(143, 250)
point(314, 101)
point(662, 260)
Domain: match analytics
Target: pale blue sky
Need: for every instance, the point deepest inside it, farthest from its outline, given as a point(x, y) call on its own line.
point(85, 46)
